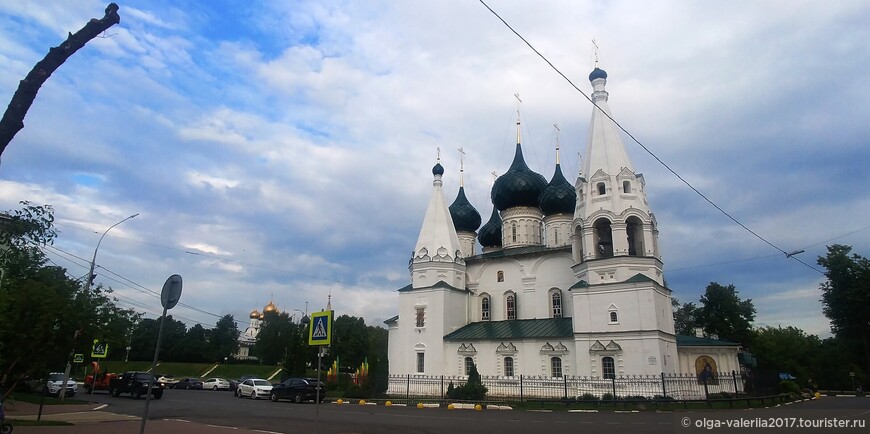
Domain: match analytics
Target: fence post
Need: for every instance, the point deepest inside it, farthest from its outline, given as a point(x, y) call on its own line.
point(706, 391)
point(734, 377)
point(613, 386)
point(664, 389)
point(522, 397)
point(565, 380)
point(408, 390)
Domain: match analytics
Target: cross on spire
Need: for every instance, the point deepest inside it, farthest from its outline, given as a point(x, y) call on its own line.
point(461, 166)
point(595, 51)
point(556, 126)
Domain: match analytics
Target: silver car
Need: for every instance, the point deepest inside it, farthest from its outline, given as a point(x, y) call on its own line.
point(254, 388)
point(53, 385)
point(216, 384)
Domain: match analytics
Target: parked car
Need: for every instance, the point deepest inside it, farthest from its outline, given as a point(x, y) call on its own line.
point(216, 384)
point(167, 380)
point(234, 384)
point(297, 390)
point(189, 383)
point(254, 388)
point(53, 385)
point(136, 383)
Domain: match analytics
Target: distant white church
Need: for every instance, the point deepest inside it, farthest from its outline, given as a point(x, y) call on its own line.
point(569, 280)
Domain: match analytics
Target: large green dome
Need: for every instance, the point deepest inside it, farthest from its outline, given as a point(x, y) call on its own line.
point(465, 217)
point(520, 186)
point(490, 233)
point(559, 197)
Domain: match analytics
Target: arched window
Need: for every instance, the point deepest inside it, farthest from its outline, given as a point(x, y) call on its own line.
point(484, 308)
point(499, 276)
point(556, 366)
point(608, 368)
point(634, 232)
point(613, 316)
point(469, 363)
point(626, 187)
point(509, 366)
point(511, 306)
point(556, 300)
point(555, 236)
point(603, 238)
point(601, 189)
point(514, 232)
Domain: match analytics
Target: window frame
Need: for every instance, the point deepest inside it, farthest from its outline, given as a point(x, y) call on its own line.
point(556, 367)
point(608, 367)
point(420, 317)
point(556, 309)
point(421, 362)
point(485, 308)
point(509, 370)
point(510, 305)
point(469, 363)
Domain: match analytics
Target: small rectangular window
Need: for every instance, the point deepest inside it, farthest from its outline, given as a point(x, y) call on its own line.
point(420, 360)
point(509, 366)
point(421, 317)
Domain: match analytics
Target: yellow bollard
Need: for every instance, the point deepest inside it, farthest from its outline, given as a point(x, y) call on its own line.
point(362, 402)
point(419, 405)
point(451, 406)
point(818, 395)
point(339, 402)
point(478, 407)
point(388, 403)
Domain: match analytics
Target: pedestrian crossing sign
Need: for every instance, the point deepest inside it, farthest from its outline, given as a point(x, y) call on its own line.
point(320, 328)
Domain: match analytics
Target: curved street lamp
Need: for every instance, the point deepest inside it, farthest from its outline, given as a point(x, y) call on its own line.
point(94, 260)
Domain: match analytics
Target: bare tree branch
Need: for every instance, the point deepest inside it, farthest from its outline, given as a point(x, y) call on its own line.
point(13, 118)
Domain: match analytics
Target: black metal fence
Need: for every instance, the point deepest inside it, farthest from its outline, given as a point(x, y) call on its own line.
point(673, 386)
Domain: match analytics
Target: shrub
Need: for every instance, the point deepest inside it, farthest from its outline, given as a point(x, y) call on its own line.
point(472, 390)
point(588, 397)
point(789, 387)
point(608, 397)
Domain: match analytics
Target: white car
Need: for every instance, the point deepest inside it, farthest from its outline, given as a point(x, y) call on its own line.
point(254, 388)
point(53, 385)
point(216, 384)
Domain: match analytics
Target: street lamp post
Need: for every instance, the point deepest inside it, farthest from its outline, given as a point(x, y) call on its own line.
point(88, 288)
point(94, 260)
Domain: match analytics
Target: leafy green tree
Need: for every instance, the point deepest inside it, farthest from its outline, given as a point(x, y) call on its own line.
point(45, 316)
point(846, 302)
point(273, 337)
point(685, 317)
point(350, 341)
point(223, 339)
point(788, 349)
point(725, 315)
point(144, 340)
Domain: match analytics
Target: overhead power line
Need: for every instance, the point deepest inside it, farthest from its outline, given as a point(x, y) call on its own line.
point(648, 151)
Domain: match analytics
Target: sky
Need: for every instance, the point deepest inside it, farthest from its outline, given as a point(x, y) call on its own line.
point(282, 150)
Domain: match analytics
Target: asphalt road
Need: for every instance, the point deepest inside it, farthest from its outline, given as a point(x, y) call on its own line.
point(222, 409)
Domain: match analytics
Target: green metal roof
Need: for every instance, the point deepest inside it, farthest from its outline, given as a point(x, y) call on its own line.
point(514, 329)
point(516, 251)
point(694, 341)
point(440, 284)
point(392, 320)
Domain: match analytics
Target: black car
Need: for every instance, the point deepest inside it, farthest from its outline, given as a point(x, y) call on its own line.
point(297, 390)
point(234, 384)
point(189, 383)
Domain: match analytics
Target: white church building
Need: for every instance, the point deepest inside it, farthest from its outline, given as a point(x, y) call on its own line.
point(569, 280)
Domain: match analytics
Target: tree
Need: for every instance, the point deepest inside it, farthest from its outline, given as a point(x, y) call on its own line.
point(724, 315)
point(788, 349)
point(685, 317)
point(13, 118)
point(223, 339)
point(350, 341)
point(144, 340)
point(845, 300)
point(45, 316)
point(275, 332)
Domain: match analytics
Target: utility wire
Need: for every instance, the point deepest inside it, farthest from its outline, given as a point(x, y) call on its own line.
point(732, 218)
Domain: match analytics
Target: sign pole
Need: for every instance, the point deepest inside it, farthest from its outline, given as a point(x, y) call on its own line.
point(319, 334)
point(168, 298)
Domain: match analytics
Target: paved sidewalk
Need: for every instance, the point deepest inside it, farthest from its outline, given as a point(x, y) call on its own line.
point(88, 419)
